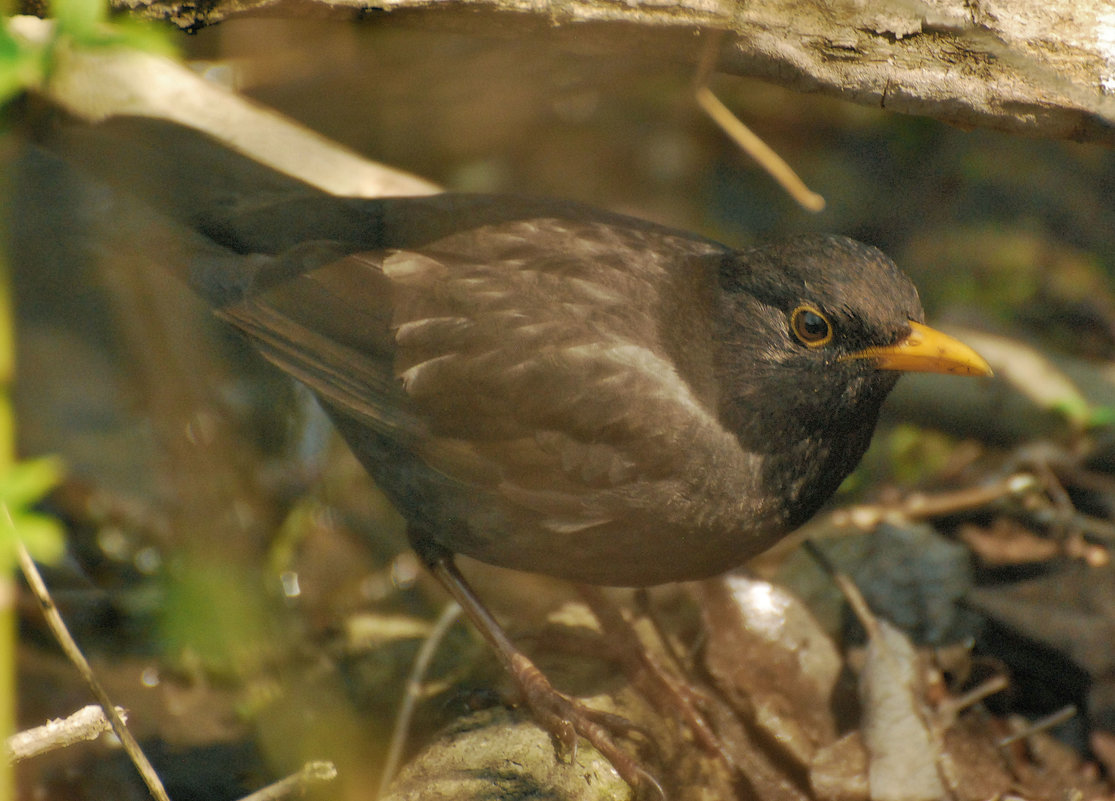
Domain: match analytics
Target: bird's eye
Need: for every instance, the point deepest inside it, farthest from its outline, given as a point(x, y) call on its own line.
point(810, 327)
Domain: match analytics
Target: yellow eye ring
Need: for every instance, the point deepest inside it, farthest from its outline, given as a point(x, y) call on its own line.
point(810, 327)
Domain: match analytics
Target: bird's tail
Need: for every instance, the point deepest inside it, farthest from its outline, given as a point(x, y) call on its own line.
point(166, 194)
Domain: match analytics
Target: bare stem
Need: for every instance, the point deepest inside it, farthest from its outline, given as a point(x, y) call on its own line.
point(73, 653)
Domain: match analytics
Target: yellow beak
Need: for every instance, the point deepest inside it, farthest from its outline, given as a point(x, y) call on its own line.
point(927, 350)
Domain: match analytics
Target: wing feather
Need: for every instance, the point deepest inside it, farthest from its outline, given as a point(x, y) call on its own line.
point(545, 380)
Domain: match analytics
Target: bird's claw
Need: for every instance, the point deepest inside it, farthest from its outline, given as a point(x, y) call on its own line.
point(566, 719)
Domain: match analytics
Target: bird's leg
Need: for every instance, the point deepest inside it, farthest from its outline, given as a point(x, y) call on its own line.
point(562, 716)
point(662, 688)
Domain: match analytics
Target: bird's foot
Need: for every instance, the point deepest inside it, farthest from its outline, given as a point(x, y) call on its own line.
point(566, 719)
point(563, 717)
point(668, 693)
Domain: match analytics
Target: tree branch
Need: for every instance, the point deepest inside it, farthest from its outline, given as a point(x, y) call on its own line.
point(1036, 67)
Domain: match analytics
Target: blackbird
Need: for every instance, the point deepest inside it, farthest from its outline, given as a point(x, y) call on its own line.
point(553, 388)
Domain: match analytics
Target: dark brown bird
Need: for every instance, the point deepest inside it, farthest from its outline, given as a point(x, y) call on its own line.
point(548, 387)
point(552, 388)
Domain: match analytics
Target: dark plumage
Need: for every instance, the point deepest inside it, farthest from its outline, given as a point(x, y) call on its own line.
point(547, 387)
point(536, 383)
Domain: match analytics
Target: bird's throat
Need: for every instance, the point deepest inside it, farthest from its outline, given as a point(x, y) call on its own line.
point(808, 448)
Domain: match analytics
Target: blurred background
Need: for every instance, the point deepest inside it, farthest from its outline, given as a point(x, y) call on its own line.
point(296, 642)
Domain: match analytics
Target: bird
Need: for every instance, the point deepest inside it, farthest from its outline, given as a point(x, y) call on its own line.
point(554, 388)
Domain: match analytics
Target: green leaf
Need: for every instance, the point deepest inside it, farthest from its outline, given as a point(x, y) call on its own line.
point(22, 65)
point(79, 18)
point(9, 45)
point(22, 485)
point(27, 482)
point(1074, 408)
point(1102, 417)
point(80, 24)
point(43, 536)
point(86, 23)
point(141, 35)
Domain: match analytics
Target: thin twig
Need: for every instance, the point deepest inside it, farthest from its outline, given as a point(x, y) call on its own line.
point(74, 654)
point(948, 710)
point(1092, 527)
point(88, 723)
point(1042, 724)
point(759, 150)
point(710, 52)
point(926, 506)
point(422, 660)
point(995, 684)
point(847, 587)
point(296, 785)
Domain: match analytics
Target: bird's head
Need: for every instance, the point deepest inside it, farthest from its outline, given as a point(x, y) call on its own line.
point(814, 334)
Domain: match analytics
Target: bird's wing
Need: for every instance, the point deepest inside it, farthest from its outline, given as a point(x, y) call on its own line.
point(511, 349)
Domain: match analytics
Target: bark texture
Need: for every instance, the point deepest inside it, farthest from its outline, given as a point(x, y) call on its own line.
point(1037, 67)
